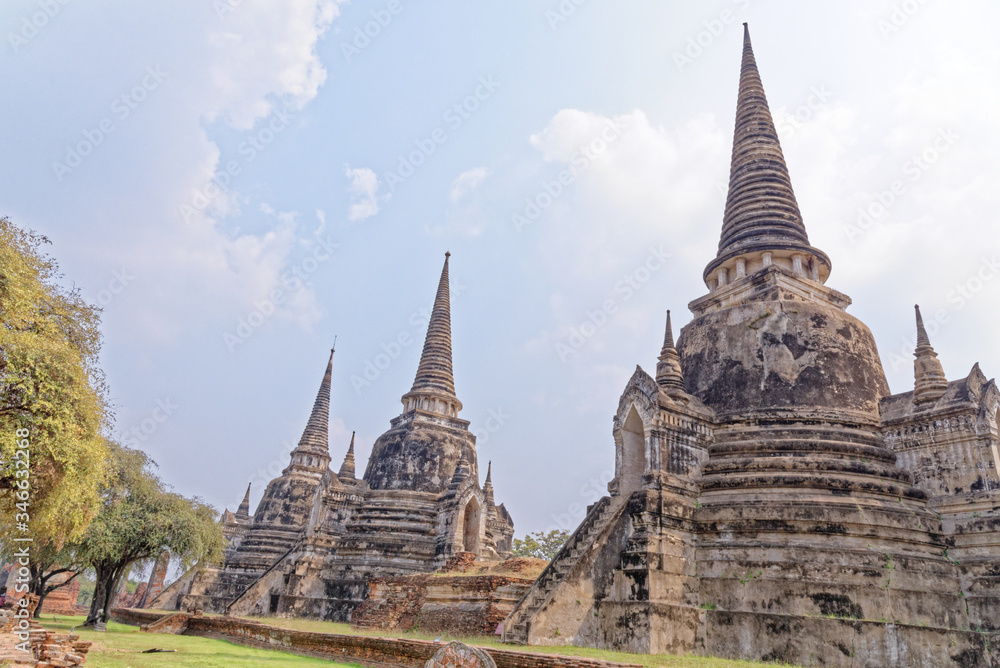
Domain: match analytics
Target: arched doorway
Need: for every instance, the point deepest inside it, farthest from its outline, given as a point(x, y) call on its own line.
point(470, 527)
point(633, 453)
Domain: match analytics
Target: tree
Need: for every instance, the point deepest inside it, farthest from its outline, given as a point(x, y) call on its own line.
point(49, 559)
point(540, 545)
point(53, 403)
point(139, 519)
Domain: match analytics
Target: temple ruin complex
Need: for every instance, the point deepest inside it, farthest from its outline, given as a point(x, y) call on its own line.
point(317, 536)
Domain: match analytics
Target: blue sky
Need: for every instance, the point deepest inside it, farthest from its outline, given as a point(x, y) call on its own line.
point(232, 181)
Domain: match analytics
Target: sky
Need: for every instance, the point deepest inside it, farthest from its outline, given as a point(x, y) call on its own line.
point(239, 182)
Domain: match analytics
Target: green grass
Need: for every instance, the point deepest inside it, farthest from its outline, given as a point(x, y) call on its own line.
point(642, 659)
point(121, 647)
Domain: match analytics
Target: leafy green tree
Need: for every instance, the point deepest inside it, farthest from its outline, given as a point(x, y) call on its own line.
point(140, 518)
point(53, 399)
point(540, 545)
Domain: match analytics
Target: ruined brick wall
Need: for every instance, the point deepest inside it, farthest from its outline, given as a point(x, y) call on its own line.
point(361, 649)
point(469, 605)
point(62, 601)
point(134, 617)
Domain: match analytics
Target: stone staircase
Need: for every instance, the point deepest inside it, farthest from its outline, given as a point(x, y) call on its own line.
point(249, 587)
point(515, 627)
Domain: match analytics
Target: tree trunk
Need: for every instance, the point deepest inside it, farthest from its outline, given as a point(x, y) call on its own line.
point(38, 581)
point(41, 601)
point(106, 577)
point(44, 589)
point(96, 603)
point(112, 591)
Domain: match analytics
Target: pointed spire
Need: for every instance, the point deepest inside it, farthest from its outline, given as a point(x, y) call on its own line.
point(488, 487)
point(669, 375)
point(243, 512)
point(761, 211)
point(668, 336)
point(347, 468)
point(435, 370)
point(922, 338)
point(317, 432)
point(434, 386)
point(930, 383)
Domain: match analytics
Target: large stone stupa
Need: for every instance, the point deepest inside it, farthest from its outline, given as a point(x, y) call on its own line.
point(772, 500)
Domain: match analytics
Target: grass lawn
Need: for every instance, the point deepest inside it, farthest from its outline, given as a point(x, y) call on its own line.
point(641, 659)
point(121, 647)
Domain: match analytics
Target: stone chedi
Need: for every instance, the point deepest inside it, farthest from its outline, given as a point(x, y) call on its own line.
point(317, 536)
point(771, 499)
point(235, 525)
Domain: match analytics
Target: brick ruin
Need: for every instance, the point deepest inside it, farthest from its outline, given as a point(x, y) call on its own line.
point(317, 537)
point(772, 500)
point(466, 597)
point(157, 577)
point(48, 648)
point(62, 601)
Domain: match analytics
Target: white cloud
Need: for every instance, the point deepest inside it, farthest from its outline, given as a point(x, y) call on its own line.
point(255, 63)
point(467, 182)
point(263, 50)
point(364, 193)
point(467, 206)
point(657, 182)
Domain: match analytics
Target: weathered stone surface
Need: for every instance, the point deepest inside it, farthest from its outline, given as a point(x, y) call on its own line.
point(460, 655)
point(783, 354)
point(778, 504)
point(419, 455)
